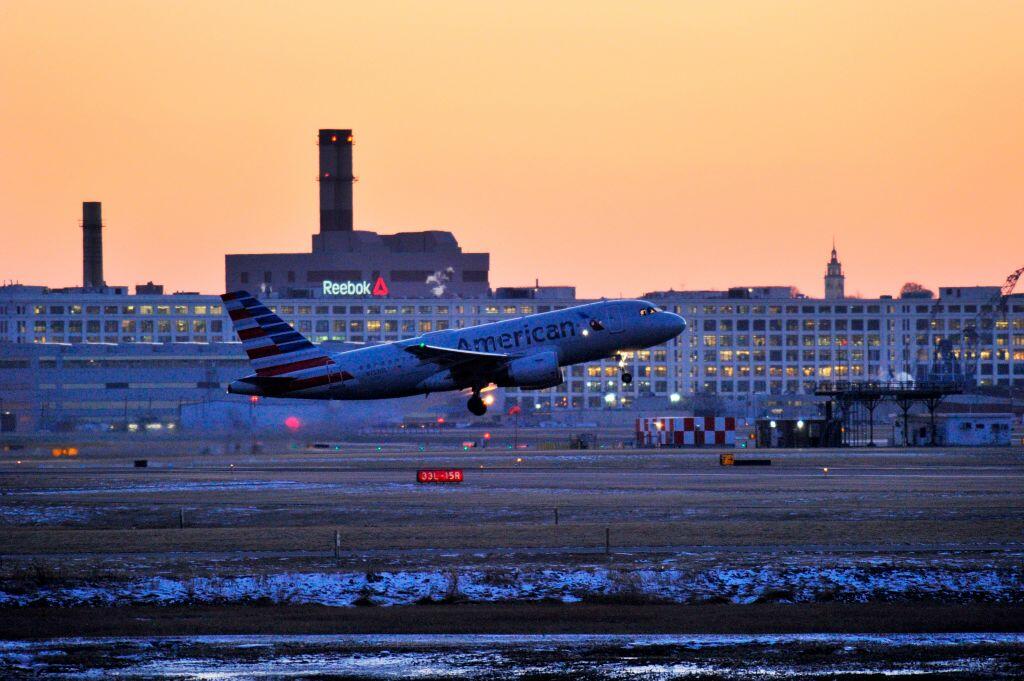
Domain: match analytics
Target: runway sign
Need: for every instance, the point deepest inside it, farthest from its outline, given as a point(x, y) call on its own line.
point(439, 475)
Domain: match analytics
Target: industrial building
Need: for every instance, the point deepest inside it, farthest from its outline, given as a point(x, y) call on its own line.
point(345, 262)
point(743, 343)
point(958, 429)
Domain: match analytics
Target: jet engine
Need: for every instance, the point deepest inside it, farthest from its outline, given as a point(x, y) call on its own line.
point(532, 372)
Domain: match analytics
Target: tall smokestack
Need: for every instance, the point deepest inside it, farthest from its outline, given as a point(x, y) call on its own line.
point(336, 180)
point(92, 245)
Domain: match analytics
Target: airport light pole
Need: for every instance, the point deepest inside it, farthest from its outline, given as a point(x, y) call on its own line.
point(515, 411)
point(252, 423)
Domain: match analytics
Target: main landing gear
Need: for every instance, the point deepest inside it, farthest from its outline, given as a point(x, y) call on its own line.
point(476, 404)
point(626, 377)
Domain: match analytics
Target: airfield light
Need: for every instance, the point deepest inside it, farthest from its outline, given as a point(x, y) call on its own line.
point(253, 399)
point(800, 424)
point(772, 424)
point(519, 459)
point(659, 425)
point(536, 405)
point(487, 436)
point(610, 398)
point(440, 420)
point(292, 423)
point(674, 398)
point(586, 332)
point(825, 470)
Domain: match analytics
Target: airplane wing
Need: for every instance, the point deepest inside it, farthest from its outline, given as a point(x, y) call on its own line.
point(449, 357)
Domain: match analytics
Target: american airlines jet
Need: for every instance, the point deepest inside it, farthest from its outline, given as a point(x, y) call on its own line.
point(526, 352)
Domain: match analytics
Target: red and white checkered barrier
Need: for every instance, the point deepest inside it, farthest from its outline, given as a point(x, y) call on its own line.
point(686, 431)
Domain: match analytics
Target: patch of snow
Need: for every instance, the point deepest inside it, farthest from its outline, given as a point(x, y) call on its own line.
point(850, 581)
point(43, 515)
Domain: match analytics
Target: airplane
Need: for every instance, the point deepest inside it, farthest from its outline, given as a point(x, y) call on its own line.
point(525, 352)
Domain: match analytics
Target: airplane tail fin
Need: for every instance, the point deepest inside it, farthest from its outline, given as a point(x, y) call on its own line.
point(273, 346)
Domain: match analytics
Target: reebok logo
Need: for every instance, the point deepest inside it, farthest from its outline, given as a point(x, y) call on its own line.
point(346, 288)
point(355, 288)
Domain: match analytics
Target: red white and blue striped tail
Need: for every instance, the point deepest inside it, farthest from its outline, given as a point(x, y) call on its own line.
point(273, 346)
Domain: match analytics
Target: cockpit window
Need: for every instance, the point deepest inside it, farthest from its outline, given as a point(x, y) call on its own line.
point(647, 310)
point(596, 325)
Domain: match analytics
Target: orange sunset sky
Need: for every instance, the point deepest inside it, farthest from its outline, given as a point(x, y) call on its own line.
point(618, 146)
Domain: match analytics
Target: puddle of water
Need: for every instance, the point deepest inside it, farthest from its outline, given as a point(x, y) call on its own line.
point(985, 656)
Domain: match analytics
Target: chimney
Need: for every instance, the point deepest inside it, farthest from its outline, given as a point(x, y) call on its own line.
point(92, 245)
point(335, 180)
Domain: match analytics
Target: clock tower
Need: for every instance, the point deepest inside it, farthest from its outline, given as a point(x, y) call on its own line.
point(835, 280)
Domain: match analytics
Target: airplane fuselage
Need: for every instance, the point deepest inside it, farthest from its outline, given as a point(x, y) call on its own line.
point(524, 351)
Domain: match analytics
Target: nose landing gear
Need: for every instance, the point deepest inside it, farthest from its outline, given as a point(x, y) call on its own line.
point(476, 404)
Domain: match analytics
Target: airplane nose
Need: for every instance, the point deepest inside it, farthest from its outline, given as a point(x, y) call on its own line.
point(678, 324)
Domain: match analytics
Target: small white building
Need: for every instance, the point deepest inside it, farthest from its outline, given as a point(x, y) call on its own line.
point(962, 429)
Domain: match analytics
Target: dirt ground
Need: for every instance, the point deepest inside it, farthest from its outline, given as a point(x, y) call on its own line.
point(506, 618)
